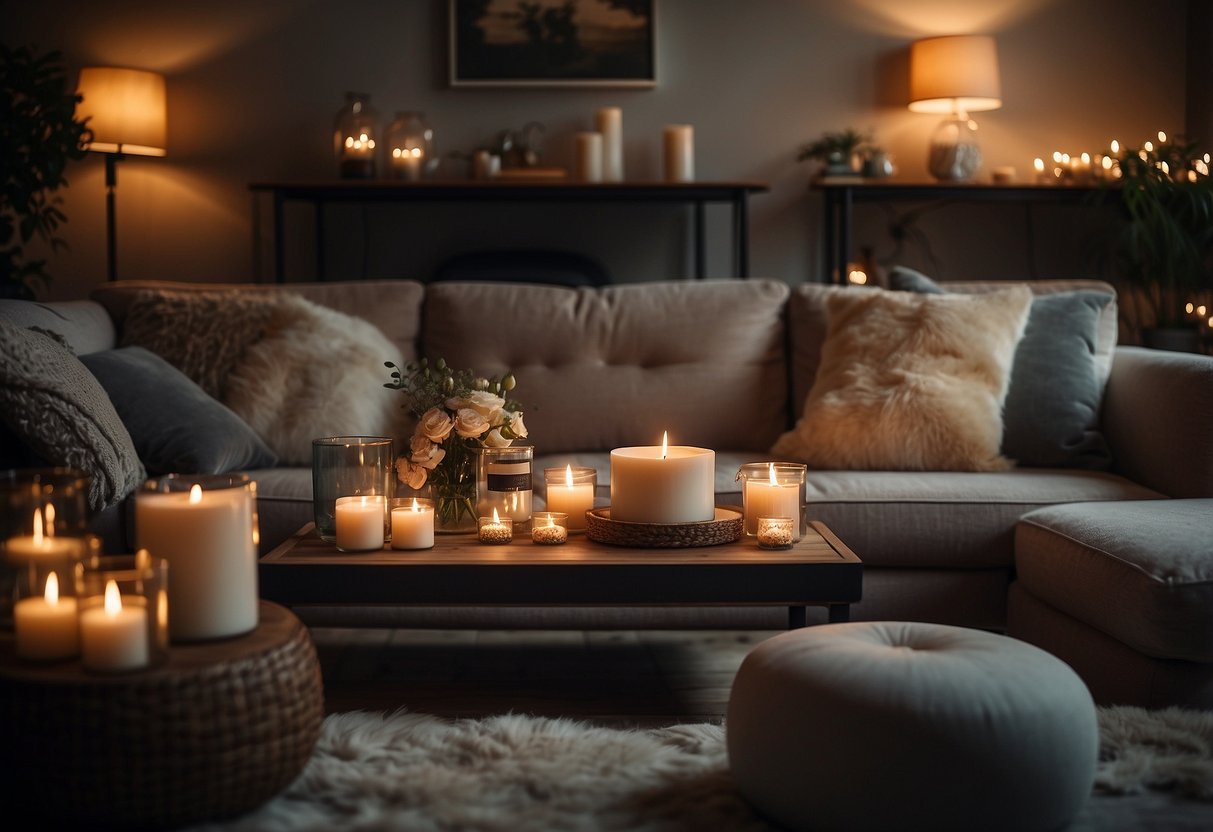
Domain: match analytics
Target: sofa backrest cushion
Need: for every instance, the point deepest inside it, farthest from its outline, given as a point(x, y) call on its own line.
point(604, 368)
point(84, 324)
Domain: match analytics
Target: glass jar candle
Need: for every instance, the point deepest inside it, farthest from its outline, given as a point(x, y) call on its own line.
point(124, 611)
point(503, 483)
point(355, 137)
point(495, 530)
point(571, 490)
point(549, 528)
point(773, 489)
point(350, 466)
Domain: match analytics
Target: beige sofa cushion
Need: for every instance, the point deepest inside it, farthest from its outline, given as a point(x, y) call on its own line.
point(605, 368)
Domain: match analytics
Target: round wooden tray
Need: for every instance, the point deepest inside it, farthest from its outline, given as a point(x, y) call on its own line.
point(725, 527)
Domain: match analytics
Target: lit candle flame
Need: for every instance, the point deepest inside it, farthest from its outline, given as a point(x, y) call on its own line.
point(37, 527)
point(143, 559)
point(568, 475)
point(665, 443)
point(1039, 164)
point(52, 589)
point(496, 519)
point(1162, 137)
point(50, 519)
point(1115, 146)
point(113, 600)
point(195, 494)
point(415, 506)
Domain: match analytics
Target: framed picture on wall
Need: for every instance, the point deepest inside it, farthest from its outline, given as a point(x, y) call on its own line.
point(552, 43)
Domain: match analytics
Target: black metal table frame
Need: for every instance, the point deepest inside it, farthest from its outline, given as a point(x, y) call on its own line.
point(696, 194)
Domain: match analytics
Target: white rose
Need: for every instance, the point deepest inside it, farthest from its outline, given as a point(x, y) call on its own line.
point(414, 476)
point(517, 427)
point(456, 403)
point(494, 439)
point(487, 405)
point(436, 424)
point(419, 444)
point(469, 424)
point(430, 457)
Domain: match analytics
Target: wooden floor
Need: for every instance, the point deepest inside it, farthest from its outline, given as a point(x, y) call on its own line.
point(615, 678)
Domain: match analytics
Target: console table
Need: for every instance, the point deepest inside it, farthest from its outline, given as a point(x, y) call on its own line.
point(840, 199)
point(695, 194)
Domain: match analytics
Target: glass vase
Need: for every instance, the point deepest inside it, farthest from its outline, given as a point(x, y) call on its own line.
point(355, 132)
point(410, 146)
point(451, 487)
point(349, 466)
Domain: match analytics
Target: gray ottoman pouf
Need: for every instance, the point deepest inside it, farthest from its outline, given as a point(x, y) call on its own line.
point(890, 725)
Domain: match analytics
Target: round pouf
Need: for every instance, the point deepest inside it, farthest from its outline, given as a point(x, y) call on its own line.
point(890, 725)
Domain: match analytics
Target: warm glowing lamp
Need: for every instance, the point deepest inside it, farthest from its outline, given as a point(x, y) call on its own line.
point(126, 115)
point(956, 75)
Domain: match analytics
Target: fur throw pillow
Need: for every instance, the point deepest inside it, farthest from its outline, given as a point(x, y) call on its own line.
point(911, 382)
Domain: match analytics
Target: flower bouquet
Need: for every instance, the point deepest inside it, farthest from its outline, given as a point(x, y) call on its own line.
point(457, 413)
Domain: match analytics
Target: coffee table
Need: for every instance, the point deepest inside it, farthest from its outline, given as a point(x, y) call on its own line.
point(818, 571)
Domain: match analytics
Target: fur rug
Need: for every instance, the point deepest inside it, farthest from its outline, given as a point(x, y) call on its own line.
point(509, 773)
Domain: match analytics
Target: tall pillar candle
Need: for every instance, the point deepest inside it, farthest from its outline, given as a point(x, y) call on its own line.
point(588, 157)
point(206, 535)
point(674, 484)
point(609, 122)
point(679, 153)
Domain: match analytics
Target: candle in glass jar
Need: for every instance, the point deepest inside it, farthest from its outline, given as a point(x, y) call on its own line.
point(771, 498)
point(113, 637)
point(41, 543)
point(495, 530)
point(413, 526)
point(45, 625)
point(572, 495)
point(360, 522)
point(549, 528)
point(666, 484)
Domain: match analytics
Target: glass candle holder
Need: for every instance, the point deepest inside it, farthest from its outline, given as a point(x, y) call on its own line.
point(549, 528)
point(503, 483)
point(412, 523)
point(205, 527)
point(495, 530)
point(773, 489)
point(410, 146)
point(124, 612)
point(45, 607)
point(350, 466)
point(571, 490)
point(775, 532)
point(355, 133)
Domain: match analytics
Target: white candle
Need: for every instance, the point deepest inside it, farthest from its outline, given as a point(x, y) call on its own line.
point(46, 625)
point(42, 545)
point(207, 539)
point(666, 484)
point(680, 153)
point(572, 498)
point(413, 526)
point(588, 157)
point(114, 636)
point(771, 499)
point(360, 522)
point(609, 122)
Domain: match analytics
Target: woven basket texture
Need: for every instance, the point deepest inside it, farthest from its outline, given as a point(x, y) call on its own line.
point(726, 528)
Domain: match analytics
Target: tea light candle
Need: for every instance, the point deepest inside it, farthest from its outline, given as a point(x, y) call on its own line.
point(413, 526)
point(496, 529)
point(770, 499)
point(46, 625)
point(360, 522)
point(549, 528)
point(113, 637)
point(666, 484)
point(775, 532)
point(572, 495)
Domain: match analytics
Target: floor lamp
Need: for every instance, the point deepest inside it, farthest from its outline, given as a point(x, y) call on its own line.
point(126, 115)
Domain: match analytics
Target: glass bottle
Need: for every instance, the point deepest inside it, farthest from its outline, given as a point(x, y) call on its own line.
point(410, 146)
point(355, 134)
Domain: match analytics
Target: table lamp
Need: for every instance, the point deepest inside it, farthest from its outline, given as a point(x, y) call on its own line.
point(956, 75)
point(126, 115)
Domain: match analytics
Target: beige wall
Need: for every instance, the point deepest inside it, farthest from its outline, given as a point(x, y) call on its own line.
point(253, 87)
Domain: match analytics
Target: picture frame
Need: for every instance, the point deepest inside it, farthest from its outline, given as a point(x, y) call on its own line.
point(552, 43)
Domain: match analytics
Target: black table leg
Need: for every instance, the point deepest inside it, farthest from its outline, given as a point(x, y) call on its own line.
point(700, 243)
point(796, 618)
point(839, 613)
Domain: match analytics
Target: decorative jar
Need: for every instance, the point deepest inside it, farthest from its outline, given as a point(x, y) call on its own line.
point(410, 146)
point(350, 466)
point(355, 137)
point(503, 483)
point(773, 489)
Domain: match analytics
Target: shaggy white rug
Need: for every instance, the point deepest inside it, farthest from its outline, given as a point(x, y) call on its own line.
point(512, 773)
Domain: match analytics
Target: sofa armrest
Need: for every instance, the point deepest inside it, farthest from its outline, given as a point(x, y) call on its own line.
point(1157, 411)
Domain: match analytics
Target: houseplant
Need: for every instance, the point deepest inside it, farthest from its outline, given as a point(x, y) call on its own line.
point(1166, 242)
point(836, 151)
point(39, 135)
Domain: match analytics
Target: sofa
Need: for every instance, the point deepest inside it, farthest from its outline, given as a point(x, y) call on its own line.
point(728, 365)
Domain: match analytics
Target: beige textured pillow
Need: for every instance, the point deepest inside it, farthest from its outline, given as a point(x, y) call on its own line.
point(911, 382)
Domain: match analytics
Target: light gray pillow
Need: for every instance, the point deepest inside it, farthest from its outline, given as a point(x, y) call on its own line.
point(53, 404)
point(1051, 415)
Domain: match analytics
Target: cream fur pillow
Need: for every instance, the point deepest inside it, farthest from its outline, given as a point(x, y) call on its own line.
point(911, 382)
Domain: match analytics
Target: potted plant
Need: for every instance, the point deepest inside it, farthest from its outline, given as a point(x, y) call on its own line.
point(837, 151)
point(39, 135)
point(1166, 242)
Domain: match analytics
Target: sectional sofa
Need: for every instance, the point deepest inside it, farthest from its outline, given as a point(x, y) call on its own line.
point(728, 365)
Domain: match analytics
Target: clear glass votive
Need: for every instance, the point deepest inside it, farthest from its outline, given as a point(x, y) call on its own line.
point(350, 466)
point(45, 607)
point(495, 530)
point(412, 522)
point(773, 489)
point(549, 528)
point(775, 532)
point(571, 490)
point(124, 612)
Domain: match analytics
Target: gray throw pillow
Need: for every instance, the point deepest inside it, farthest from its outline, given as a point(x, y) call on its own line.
point(1051, 415)
point(175, 425)
point(55, 406)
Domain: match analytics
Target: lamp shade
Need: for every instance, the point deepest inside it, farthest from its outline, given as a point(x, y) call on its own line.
point(125, 110)
point(954, 73)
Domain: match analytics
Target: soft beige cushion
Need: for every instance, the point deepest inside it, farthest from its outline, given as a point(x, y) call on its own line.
point(604, 368)
point(911, 382)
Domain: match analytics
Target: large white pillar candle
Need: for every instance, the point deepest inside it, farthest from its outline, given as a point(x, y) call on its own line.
point(207, 537)
point(45, 625)
point(665, 484)
point(113, 637)
point(609, 122)
point(572, 497)
point(588, 157)
point(360, 522)
point(771, 498)
point(413, 526)
point(679, 153)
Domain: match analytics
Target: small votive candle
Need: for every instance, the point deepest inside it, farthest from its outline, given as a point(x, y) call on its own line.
point(114, 636)
point(775, 533)
point(549, 528)
point(496, 530)
point(46, 628)
point(360, 522)
point(412, 523)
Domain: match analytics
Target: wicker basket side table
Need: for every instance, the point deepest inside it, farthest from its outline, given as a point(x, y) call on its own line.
point(214, 732)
